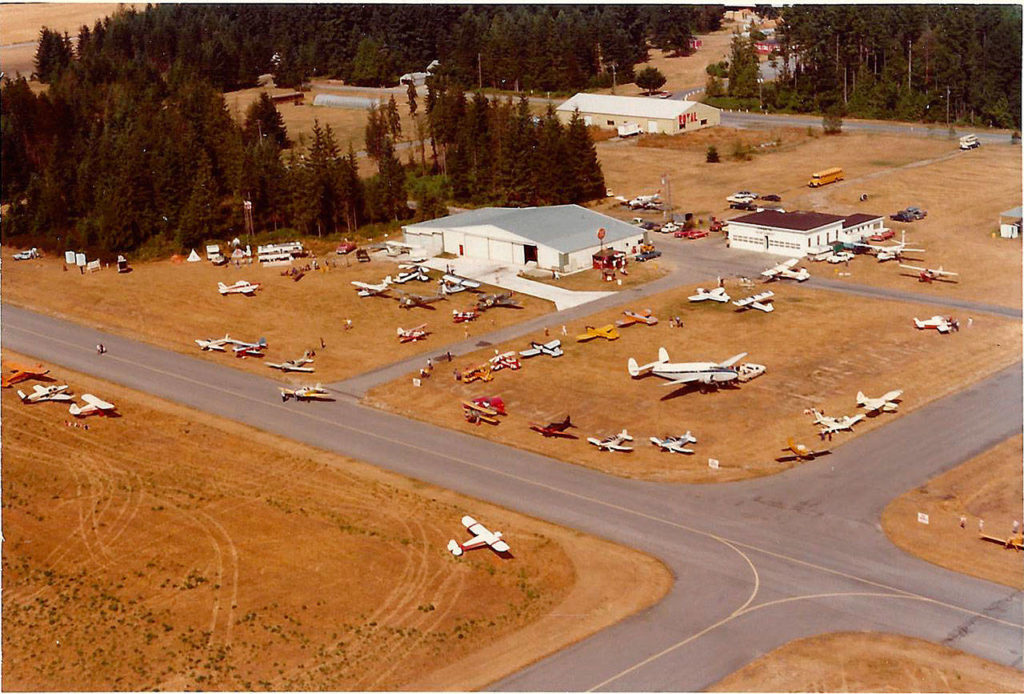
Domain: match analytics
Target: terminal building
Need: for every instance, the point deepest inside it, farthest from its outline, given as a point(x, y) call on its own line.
point(796, 234)
point(562, 238)
point(650, 115)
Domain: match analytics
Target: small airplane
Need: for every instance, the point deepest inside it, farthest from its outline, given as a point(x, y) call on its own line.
point(608, 332)
point(412, 272)
point(416, 301)
point(831, 425)
point(464, 316)
point(506, 360)
point(613, 442)
point(239, 287)
point(551, 349)
point(452, 284)
point(800, 452)
point(305, 393)
point(1014, 541)
point(675, 444)
point(717, 294)
point(887, 403)
point(26, 255)
point(483, 410)
point(632, 318)
point(482, 537)
point(214, 345)
point(555, 429)
point(93, 405)
point(244, 349)
point(926, 274)
point(365, 289)
point(893, 252)
point(707, 374)
point(785, 271)
point(487, 301)
point(16, 373)
point(295, 365)
point(943, 325)
point(477, 373)
point(762, 302)
point(420, 332)
point(44, 394)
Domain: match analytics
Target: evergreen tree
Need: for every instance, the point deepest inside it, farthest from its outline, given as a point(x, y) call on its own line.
point(586, 180)
point(743, 68)
point(650, 79)
point(263, 120)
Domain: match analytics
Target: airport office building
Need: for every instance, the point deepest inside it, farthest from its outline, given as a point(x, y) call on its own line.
point(796, 234)
point(666, 116)
point(562, 238)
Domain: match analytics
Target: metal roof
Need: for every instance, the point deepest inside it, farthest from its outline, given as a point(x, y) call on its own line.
point(859, 218)
point(566, 228)
point(1015, 212)
point(636, 106)
point(794, 221)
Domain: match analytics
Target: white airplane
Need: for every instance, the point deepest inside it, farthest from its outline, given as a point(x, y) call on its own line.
point(894, 252)
point(214, 345)
point(785, 271)
point(412, 334)
point(551, 349)
point(239, 287)
point(414, 272)
point(295, 365)
point(717, 294)
point(366, 289)
point(675, 444)
point(93, 406)
point(886, 403)
point(927, 274)
point(762, 302)
point(26, 255)
point(482, 537)
point(305, 393)
point(613, 443)
point(943, 325)
point(242, 348)
point(45, 393)
point(831, 425)
point(452, 284)
point(705, 373)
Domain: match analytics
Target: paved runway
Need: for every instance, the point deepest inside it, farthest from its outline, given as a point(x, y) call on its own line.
point(756, 563)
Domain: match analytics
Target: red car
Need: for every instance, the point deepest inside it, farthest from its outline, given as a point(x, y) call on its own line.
point(691, 234)
point(882, 236)
point(345, 247)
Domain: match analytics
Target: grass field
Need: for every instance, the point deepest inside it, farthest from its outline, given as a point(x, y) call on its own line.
point(986, 488)
point(20, 24)
point(168, 549)
point(174, 304)
point(819, 348)
point(870, 662)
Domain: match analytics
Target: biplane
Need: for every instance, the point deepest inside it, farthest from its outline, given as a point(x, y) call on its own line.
point(365, 289)
point(477, 373)
point(832, 425)
point(632, 318)
point(45, 394)
point(926, 274)
point(93, 405)
point(707, 374)
point(489, 301)
point(944, 325)
point(306, 393)
point(239, 287)
point(717, 294)
point(420, 332)
point(410, 273)
point(16, 373)
point(887, 403)
point(675, 444)
point(761, 302)
point(453, 284)
point(551, 349)
point(299, 365)
point(613, 442)
point(464, 316)
point(798, 451)
point(608, 332)
point(555, 429)
point(785, 271)
point(505, 360)
point(482, 537)
point(483, 410)
point(411, 301)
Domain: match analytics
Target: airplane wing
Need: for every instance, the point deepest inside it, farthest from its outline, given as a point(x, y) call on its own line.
point(891, 395)
point(733, 359)
point(96, 402)
point(682, 380)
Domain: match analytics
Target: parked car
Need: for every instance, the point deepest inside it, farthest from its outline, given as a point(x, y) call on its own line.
point(840, 257)
point(639, 221)
point(646, 255)
point(691, 234)
point(916, 212)
point(650, 226)
point(742, 206)
point(882, 235)
point(345, 247)
point(901, 216)
point(742, 196)
point(716, 225)
point(362, 256)
point(670, 228)
point(771, 197)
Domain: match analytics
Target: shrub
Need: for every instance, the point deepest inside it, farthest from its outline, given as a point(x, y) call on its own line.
point(712, 155)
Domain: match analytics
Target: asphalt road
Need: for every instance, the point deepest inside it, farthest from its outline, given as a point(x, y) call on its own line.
point(756, 563)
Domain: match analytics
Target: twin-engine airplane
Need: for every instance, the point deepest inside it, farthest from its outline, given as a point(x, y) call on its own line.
point(675, 444)
point(305, 393)
point(800, 452)
point(551, 349)
point(762, 302)
point(555, 429)
point(613, 443)
point(944, 325)
point(632, 318)
point(785, 271)
point(365, 289)
point(413, 334)
point(16, 373)
point(482, 537)
point(239, 287)
point(93, 405)
point(608, 332)
point(926, 274)
point(706, 373)
point(717, 294)
point(887, 403)
point(45, 394)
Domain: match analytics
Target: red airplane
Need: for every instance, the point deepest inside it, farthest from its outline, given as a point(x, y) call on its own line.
point(555, 429)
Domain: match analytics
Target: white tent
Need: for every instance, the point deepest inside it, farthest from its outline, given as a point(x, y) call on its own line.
point(193, 257)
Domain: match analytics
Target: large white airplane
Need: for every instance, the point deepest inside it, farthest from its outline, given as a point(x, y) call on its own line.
point(551, 349)
point(831, 425)
point(613, 442)
point(93, 406)
point(706, 373)
point(762, 302)
point(482, 537)
point(675, 444)
point(239, 287)
point(785, 271)
point(45, 393)
point(366, 289)
point(886, 403)
point(717, 294)
point(942, 324)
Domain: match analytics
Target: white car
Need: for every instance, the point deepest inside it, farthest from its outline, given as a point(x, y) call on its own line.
point(27, 255)
point(670, 228)
point(742, 196)
point(840, 257)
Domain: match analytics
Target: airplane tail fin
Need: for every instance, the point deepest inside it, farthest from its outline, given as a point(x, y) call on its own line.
point(861, 398)
point(634, 368)
point(567, 422)
point(75, 410)
point(262, 342)
point(662, 355)
point(22, 396)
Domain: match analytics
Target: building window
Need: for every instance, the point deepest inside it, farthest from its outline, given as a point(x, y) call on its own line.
point(611, 122)
point(703, 121)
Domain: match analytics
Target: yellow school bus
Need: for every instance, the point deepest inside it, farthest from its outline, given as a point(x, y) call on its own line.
point(820, 178)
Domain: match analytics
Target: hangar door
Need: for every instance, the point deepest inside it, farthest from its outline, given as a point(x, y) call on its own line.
point(476, 246)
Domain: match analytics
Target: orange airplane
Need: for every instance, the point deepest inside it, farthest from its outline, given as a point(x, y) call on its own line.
point(632, 318)
point(799, 452)
point(16, 373)
point(608, 332)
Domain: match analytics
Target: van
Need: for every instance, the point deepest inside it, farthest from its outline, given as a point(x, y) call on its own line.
point(821, 178)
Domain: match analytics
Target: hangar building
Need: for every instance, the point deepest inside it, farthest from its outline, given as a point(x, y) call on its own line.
point(562, 238)
point(652, 115)
point(795, 234)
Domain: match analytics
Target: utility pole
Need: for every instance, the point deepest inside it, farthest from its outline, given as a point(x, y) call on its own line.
point(947, 107)
point(667, 185)
point(613, 78)
point(479, 71)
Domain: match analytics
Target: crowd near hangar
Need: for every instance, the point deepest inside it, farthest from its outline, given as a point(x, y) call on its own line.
point(651, 115)
point(795, 234)
point(562, 238)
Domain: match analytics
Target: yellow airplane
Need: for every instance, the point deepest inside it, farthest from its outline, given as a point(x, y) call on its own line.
point(1015, 541)
point(477, 373)
point(608, 332)
point(799, 452)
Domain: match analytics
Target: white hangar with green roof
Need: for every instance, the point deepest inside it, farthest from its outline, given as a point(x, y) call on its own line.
point(562, 238)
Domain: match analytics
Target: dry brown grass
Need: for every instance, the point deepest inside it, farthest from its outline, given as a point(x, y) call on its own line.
point(174, 304)
point(171, 549)
point(870, 662)
point(819, 348)
point(987, 488)
point(22, 22)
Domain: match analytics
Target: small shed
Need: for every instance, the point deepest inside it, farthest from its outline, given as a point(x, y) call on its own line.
point(1009, 223)
point(607, 259)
